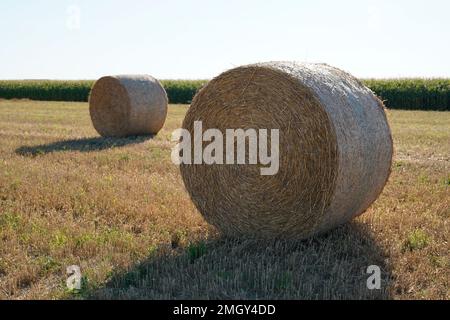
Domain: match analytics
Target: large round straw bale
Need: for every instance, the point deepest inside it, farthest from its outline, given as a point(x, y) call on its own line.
point(127, 105)
point(335, 150)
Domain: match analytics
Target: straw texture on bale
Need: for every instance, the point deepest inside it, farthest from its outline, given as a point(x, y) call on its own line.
point(127, 105)
point(335, 150)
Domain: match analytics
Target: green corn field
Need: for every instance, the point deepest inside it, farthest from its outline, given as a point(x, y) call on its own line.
point(415, 94)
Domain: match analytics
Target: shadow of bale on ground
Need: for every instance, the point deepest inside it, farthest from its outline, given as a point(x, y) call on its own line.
point(332, 266)
point(82, 145)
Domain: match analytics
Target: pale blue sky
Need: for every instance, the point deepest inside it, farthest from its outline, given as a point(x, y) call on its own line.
point(200, 39)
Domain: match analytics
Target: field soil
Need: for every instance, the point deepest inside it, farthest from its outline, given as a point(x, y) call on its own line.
point(118, 209)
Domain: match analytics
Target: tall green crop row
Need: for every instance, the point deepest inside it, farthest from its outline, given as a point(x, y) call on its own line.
point(49, 90)
point(178, 91)
point(420, 94)
point(182, 91)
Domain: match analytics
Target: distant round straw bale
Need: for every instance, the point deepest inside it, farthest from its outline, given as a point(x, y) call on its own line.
point(127, 105)
point(335, 150)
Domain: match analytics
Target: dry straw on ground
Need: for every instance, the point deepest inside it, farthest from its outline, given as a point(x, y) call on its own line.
point(335, 150)
point(128, 105)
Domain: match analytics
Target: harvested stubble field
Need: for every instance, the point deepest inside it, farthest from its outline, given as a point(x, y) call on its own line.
point(118, 209)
